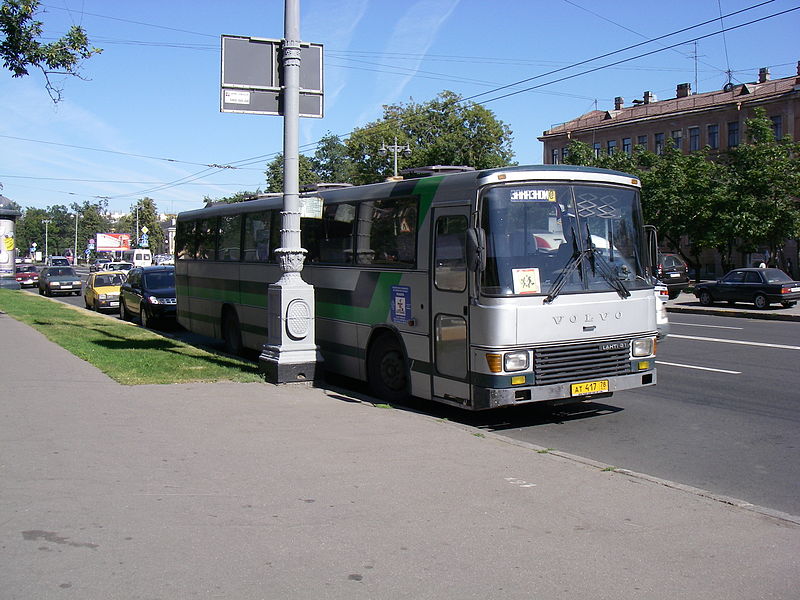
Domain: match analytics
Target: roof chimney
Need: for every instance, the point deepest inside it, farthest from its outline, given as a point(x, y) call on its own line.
point(763, 75)
point(619, 101)
point(683, 90)
point(649, 97)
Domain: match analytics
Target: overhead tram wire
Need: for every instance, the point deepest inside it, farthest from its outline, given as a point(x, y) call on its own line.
point(702, 37)
point(607, 54)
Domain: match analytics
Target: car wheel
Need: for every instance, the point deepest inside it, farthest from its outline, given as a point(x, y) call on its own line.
point(95, 306)
point(705, 298)
point(123, 311)
point(760, 301)
point(387, 370)
point(675, 294)
point(86, 303)
point(231, 333)
point(788, 304)
point(147, 322)
point(41, 292)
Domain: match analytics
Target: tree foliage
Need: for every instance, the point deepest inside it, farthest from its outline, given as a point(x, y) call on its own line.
point(21, 46)
point(738, 201)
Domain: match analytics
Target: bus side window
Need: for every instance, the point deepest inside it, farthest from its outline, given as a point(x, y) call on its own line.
point(257, 236)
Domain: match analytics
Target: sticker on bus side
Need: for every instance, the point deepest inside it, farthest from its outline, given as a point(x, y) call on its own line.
point(401, 304)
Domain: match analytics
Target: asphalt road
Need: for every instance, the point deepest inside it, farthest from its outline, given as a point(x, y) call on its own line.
point(723, 416)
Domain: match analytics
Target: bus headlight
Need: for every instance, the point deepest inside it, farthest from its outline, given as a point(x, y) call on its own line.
point(643, 347)
point(515, 361)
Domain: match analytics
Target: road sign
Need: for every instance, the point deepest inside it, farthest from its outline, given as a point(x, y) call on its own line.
point(251, 77)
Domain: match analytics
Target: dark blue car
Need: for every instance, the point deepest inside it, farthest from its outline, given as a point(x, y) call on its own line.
point(149, 293)
point(761, 287)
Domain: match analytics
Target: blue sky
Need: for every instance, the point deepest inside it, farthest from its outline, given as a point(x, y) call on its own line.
point(146, 120)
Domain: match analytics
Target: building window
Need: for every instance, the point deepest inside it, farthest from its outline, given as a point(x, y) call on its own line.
point(659, 142)
point(694, 138)
point(642, 141)
point(626, 145)
point(733, 134)
point(554, 156)
point(611, 146)
point(564, 153)
point(713, 136)
point(596, 147)
point(777, 126)
point(677, 139)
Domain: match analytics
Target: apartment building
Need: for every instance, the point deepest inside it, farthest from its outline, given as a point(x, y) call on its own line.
point(693, 121)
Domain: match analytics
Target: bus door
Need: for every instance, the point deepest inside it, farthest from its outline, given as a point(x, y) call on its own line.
point(449, 305)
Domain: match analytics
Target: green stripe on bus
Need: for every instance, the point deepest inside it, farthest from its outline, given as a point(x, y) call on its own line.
point(375, 312)
point(426, 189)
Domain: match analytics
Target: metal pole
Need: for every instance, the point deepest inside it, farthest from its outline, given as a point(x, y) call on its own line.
point(75, 249)
point(46, 223)
point(290, 353)
point(395, 148)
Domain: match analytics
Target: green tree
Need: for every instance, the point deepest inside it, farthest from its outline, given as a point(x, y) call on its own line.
point(21, 46)
point(764, 187)
point(443, 131)
point(331, 162)
point(146, 212)
point(274, 173)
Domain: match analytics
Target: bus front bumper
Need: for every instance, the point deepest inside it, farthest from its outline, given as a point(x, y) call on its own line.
point(486, 398)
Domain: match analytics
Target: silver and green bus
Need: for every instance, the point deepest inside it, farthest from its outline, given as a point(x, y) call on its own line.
point(480, 288)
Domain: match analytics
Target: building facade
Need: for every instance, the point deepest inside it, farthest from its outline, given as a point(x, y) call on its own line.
point(692, 121)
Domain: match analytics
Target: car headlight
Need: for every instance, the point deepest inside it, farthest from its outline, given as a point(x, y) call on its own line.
point(154, 300)
point(55, 284)
point(515, 361)
point(102, 296)
point(643, 346)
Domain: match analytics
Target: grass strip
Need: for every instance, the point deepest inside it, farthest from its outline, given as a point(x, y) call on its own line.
point(128, 354)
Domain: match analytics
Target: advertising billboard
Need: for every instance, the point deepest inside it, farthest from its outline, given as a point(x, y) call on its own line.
point(111, 242)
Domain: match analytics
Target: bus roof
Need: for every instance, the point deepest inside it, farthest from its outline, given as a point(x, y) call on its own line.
point(406, 186)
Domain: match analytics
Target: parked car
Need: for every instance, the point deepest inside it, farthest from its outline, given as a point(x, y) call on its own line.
point(101, 291)
point(59, 280)
point(673, 273)
point(26, 275)
point(762, 287)
point(58, 261)
point(149, 293)
point(97, 264)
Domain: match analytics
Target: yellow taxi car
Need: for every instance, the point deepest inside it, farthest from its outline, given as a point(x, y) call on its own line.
point(101, 291)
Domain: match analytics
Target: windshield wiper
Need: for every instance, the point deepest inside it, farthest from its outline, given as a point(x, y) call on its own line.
point(569, 269)
point(597, 259)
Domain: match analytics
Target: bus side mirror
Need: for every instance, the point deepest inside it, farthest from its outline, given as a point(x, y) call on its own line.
point(476, 249)
point(651, 244)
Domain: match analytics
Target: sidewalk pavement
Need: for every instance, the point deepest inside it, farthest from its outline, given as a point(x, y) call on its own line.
point(688, 303)
point(244, 491)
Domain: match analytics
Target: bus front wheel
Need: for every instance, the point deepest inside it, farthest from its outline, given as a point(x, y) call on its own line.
point(387, 370)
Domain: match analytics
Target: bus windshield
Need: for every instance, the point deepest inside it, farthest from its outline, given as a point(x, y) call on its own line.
point(553, 238)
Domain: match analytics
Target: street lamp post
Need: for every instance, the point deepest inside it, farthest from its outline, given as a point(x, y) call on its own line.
point(46, 223)
point(395, 149)
point(75, 250)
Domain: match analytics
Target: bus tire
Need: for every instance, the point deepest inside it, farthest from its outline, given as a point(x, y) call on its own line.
point(387, 370)
point(231, 333)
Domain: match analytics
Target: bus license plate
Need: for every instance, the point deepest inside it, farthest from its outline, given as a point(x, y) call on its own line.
point(589, 387)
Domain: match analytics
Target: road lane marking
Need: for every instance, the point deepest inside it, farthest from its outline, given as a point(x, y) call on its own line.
point(699, 325)
point(671, 364)
point(739, 342)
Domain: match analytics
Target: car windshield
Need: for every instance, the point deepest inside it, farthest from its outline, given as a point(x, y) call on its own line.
point(105, 280)
point(62, 272)
point(159, 280)
point(552, 238)
point(26, 269)
point(776, 276)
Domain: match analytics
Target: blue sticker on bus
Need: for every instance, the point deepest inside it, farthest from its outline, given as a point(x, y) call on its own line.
point(401, 304)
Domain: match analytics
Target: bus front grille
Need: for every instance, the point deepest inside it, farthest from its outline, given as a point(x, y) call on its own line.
point(580, 362)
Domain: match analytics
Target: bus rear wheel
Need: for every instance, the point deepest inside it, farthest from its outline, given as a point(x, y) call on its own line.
point(387, 370)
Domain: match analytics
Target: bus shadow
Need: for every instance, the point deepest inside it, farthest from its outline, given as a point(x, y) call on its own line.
point(500, 419)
